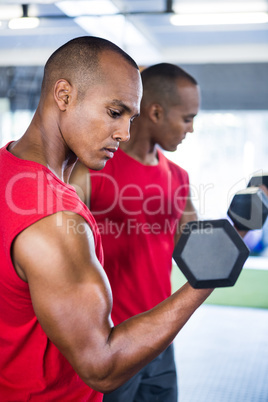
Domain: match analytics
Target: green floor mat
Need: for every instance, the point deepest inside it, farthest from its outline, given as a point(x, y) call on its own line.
point(250, 290)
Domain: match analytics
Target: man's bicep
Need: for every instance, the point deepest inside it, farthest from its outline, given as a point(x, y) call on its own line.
point(69, 289)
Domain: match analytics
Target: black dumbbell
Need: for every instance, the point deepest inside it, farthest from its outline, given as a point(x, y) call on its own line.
point(210, 253)
point(259, 179)
point(249, 208)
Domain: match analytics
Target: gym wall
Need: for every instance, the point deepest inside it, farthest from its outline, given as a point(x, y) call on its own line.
point(223, 86)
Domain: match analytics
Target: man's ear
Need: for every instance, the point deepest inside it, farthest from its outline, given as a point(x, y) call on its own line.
point(156, 112)
point(63, 93)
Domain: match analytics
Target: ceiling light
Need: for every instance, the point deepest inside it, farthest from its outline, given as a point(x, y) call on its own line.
point(219, 19)
point(10, 11)
point(93, 7)
point(206, 7)
point(23, 23)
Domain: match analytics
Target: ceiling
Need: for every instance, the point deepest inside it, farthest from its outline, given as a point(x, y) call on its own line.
point(141, 27)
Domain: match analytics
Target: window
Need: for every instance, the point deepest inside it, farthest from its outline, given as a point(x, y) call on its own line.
point(221, 155)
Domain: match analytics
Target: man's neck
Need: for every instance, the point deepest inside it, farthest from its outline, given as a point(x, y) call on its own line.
point(52, 154)
point(141, 147)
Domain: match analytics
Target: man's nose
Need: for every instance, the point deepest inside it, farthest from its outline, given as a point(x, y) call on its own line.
point(190, 127)
point(122, 134)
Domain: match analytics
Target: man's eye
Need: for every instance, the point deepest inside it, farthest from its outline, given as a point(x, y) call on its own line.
point(114, 113)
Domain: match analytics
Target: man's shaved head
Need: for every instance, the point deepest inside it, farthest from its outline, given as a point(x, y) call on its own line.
point(78, 61)
point(159, 84)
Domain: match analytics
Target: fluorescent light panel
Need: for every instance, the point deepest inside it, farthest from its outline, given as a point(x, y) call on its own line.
point(93, 7)
point(219, 19)
point(10, 11)
point(193, 7)
point(24, 23)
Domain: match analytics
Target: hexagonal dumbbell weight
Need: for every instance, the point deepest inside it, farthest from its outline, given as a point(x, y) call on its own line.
point(259, 179)
point(249, 208)
point(210, 253)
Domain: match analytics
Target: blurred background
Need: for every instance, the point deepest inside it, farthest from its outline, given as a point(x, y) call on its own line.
point(224, 45)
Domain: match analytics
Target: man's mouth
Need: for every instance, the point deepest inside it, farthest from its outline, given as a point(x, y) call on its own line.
point(110, 152)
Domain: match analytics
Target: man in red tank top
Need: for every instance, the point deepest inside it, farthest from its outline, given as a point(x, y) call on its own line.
point(140, 200)
point(57, 339)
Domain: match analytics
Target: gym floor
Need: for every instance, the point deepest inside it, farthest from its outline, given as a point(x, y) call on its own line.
point(222, 355)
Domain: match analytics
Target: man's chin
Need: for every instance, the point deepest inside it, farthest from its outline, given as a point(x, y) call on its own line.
point(169, 148)
point(99, 165)
point(172, 149)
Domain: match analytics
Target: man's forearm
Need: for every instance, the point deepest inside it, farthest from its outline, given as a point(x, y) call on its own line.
point(138, 340)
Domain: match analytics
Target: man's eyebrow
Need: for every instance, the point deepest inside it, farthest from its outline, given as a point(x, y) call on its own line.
point(192, 115)
point(117, 102)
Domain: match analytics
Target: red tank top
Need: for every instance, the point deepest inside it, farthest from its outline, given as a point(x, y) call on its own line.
point(137, 209)
point(31, 367)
